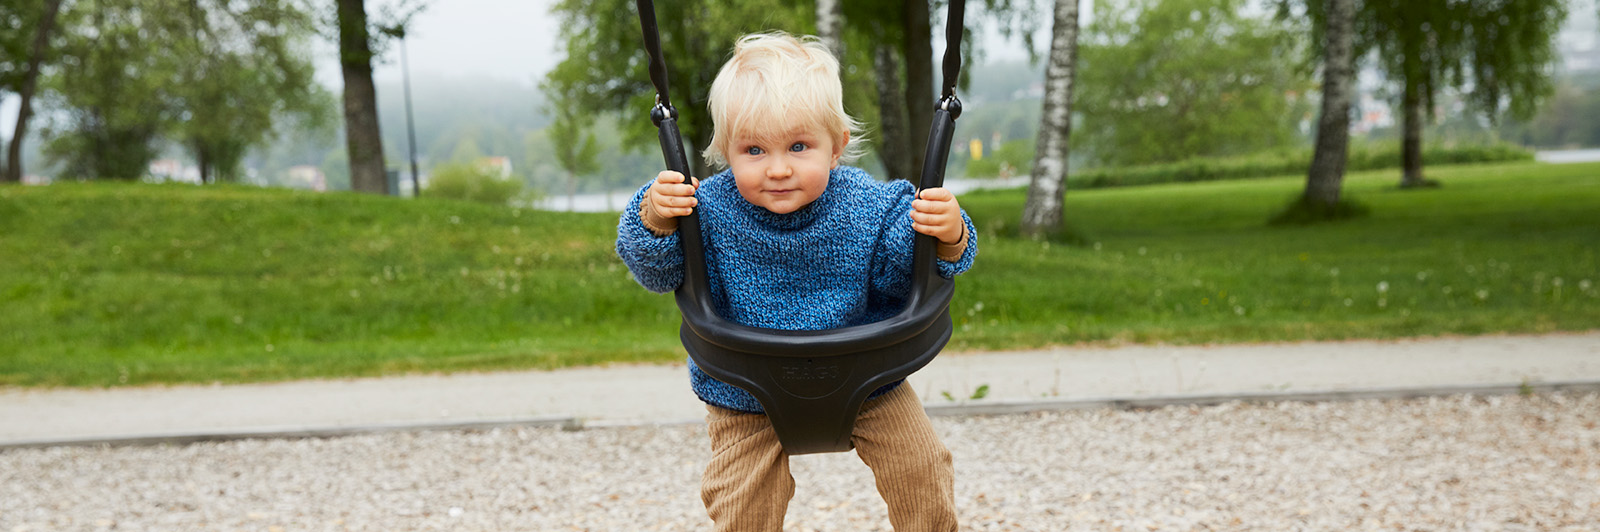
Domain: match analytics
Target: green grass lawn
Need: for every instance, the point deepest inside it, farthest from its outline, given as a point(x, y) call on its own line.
point(105, 284)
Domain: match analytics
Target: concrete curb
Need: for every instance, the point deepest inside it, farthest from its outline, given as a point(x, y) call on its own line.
point(965, 409)
point(292, 432)
point(1129, 403)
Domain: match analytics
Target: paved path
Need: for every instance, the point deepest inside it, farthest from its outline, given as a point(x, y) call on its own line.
point(659, 394)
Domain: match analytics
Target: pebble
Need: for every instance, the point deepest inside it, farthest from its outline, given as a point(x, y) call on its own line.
point(1455, 463)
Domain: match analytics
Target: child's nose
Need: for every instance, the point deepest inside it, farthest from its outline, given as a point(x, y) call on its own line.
point(779, 169)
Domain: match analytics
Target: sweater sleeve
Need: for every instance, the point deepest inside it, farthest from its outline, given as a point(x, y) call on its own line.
point(655, 261)
point(892, 271)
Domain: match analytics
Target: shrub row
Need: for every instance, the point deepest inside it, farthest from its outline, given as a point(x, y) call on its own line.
point(1286, 163)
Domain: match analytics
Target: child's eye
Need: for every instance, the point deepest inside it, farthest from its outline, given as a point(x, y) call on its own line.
point(753, 150)
point(798, 146)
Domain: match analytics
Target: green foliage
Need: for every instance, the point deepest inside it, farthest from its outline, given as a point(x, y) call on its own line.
point(1165, 80)
point(213, 77)
point(109, 284)
point(473, 182)
point(606, 68)
point(1275, 164)
point(1566, 120)
point(18, 21)
point(1497, 52)
point(572, 134)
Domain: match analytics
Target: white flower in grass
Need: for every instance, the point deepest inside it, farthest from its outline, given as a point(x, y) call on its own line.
point(1483, 294)
point(1383, 286)
point(1348, 302)
point(1584, 285)
point(1334, 271)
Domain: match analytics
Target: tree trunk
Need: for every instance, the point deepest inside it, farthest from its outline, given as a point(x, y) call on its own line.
point(829, 20)
point(1041, 214)
point(919, 79)
point(1326, 177)
point(572, 192)
point(892, 115)
point(363, 139)
point(30, 81)
point(1411, 145)
point(204, 162)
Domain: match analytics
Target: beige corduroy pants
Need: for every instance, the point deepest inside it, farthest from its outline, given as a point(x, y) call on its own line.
point(747, 485)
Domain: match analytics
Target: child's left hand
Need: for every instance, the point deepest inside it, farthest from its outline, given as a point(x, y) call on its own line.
point(935, 213)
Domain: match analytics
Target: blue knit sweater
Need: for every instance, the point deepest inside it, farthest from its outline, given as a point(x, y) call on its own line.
point(843, 260)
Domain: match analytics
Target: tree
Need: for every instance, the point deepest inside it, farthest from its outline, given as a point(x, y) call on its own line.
point(830, 18)
point(1166, 80)
point(29, 80)
point(606, 63)
point(246, 73)
point(1041, 213)
point(215, 77)
point(604, 50)
point(112, 115)
point(1325, 179)
point(363, 138)
point(571, 135)
point(901, 58)
point(1498, 52)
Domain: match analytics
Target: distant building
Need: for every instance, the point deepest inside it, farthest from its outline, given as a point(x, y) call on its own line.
point(172, 170)
point(499, 165)
point(307, 177)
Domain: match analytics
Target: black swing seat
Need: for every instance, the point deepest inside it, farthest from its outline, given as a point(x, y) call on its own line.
point(812, 383)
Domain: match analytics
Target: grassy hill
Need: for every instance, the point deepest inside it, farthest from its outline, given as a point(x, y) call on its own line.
point(108, 283)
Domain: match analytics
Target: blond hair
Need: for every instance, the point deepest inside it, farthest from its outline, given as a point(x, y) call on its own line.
point(776, 83)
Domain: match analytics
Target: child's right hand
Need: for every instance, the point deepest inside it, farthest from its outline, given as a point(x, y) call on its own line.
point(670, 197)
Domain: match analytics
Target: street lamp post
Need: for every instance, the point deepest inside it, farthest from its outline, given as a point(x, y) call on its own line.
point(411, 132)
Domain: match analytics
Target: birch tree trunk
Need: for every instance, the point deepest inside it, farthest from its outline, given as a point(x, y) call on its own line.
point(830, 19)
point(30, 81)
point(363, 138)
point(1326, 178)
point(892, 147)
point(1041, 214)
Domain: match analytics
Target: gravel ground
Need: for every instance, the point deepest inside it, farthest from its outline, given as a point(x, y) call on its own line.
point(1447, 463)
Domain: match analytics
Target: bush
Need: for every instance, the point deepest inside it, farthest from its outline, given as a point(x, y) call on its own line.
point(471, 182)
point(1361, 157)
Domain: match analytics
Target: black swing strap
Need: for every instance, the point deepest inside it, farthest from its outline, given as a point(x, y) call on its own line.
point(652, 46)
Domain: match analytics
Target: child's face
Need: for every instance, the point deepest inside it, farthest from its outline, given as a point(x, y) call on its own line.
point(787, 172)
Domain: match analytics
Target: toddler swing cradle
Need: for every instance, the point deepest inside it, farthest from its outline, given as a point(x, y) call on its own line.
point(812, 383)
